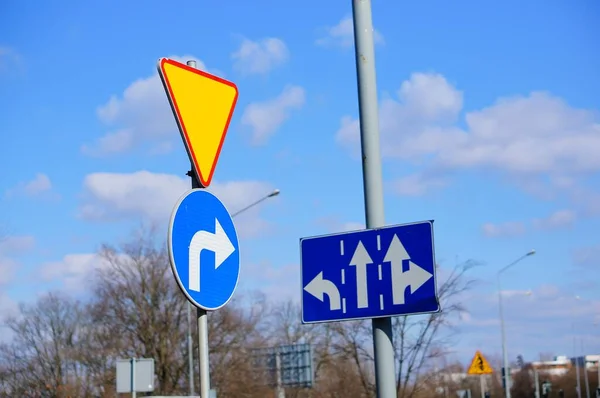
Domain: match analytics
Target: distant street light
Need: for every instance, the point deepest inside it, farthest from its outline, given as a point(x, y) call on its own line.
point(584, 358)
point(273, 193)
point(504, 353)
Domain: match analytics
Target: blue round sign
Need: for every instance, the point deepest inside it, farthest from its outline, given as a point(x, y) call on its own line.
point(204, 250)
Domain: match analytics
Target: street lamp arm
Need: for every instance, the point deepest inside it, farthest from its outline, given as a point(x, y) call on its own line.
point(506, 267)
point(189, 305)
point(270, 195)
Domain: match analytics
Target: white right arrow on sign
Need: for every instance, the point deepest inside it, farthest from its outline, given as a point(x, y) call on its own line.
point(415, 277)
point(218, 243)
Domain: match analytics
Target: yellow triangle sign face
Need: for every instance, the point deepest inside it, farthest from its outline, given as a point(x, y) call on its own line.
point(479, 365)
point(203, 105)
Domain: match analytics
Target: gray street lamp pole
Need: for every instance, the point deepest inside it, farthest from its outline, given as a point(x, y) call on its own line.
point(189, 305)
point(507, 379)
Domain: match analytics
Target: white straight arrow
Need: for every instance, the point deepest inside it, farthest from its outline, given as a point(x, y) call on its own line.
point(217, 243)
point(360, 259)
point(415, 277)
point(318, 287)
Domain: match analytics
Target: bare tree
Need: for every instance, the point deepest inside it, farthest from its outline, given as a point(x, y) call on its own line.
point(62, 347)
point(283, 327)
point(419, 339)
point(42, 354)
point(234, 331)
point(141, 310)
point(352, 344)
point(139, 304)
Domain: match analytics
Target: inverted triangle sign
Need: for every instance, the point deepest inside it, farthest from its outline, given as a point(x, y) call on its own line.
point(203, 105)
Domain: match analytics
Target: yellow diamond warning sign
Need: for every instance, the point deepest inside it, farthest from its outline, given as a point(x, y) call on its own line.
point(479, 365)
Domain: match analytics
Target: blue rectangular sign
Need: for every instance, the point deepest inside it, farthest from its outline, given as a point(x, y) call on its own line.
point(371, 273)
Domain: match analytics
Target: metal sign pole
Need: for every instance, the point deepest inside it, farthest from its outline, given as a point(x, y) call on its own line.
point(133, 378)
point(190, 349)
point(482, 385)
point(385, 373)
point(203, 353)
point(203, 356)
point(279, 387)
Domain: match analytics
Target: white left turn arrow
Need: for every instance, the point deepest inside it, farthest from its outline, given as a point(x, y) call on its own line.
point(360, 259)
point(218, 243)
point(415, 277)
point(320, 287)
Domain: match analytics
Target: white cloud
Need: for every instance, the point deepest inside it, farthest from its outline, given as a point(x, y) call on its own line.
point(277, 283)
point(140, 115)
point(507, 229)
point(558, 219)
point(333, 224)
point(415, 124)
point(260, 57)
point(8, 307)
point(535, 134)
point(75, 271)
point(585, 198)
point(10, 247)
point(40, 184)
point(351, 226)
point(264, 118)
point(544, 319)
point(587, 256)
point(418, 184)
point(151, 196)
point(342, 34)
point(7, 270)
point(113, 142)
point(538, 141)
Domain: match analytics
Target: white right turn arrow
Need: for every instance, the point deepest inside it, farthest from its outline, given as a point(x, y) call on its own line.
point(415, 277)
point(318, 287)
point(218, 243)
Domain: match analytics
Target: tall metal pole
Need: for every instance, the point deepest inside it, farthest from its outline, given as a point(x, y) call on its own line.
point(577, 375)
point(482, 385)
point(507, 378)
point(504, 352)
point(385, 373)
point(576, 366)
point(190, 349)
point(133, 392)
point(203, 353)
point(203, 357)
point(280, 391)
point(585, 372)
point(536, 378)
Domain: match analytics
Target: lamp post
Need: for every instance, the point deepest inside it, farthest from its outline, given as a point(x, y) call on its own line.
point(273, 193)
point(507, 379)
point(586, 380)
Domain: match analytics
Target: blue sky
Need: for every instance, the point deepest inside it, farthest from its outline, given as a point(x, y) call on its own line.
point(489, 125)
